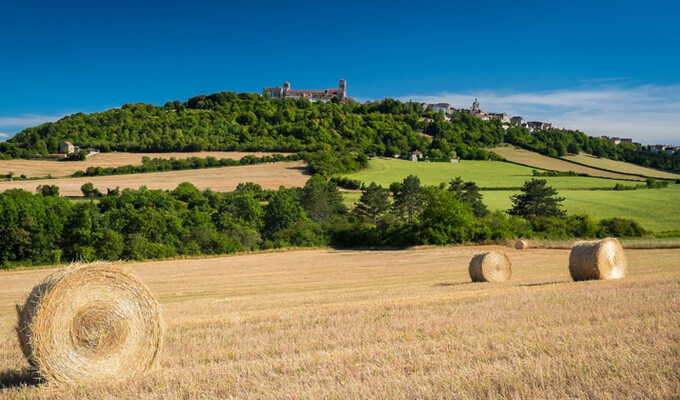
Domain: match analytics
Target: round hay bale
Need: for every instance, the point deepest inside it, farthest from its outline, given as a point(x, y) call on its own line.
point(494, 266)
point(521, 244)
point(90, 321)
point(597, 259)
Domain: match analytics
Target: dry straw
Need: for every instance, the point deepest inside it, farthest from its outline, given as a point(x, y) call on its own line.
point(597, 259)
point(521, 244)
point(494, 266)
point(90, 321)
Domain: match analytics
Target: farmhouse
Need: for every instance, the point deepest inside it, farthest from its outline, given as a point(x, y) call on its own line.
point(67, 148)
point(415, 155)
point(323, 95)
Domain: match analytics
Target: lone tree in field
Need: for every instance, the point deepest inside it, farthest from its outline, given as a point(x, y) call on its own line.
point(374, 201)
point(537, 200)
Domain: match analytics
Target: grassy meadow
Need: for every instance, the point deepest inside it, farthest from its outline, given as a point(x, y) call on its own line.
point(390, 324)
point(496, 174)
point(619, 166)
point(655, 209)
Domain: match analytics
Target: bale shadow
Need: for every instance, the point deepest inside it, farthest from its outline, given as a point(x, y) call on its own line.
point(19, 378)
point(452, 283)
point(543, 283)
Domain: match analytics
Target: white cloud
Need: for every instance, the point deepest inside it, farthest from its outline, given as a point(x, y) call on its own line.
point(18, 122)
point(647, 113)
point(3, 135)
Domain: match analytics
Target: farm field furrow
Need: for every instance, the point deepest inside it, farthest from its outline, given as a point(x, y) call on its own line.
point(495, 174)
point(269, 176)
point(327, 324)
point(620, 166)
point(533, 159)
point(43, 168)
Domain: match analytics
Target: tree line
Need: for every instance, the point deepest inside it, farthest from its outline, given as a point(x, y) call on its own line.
point(140, 224)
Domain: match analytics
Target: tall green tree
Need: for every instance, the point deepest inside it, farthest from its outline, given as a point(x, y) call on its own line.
point(321, 199)
point(408, 199)
point(283, 210)
point(537, 200)
point(374, 201)
point(468, 193)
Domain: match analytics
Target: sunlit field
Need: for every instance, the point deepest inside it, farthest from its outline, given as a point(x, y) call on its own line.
point(532, 159)
point(56, 169)
point(329, 324)
point(655, 209)
point(619, 166)
point(269, 176)
point(485, 173)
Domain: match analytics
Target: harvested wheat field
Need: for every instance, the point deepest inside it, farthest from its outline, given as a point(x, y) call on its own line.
point(44, 168)
point(532, 159)
point(269, 176)
point(327, 324)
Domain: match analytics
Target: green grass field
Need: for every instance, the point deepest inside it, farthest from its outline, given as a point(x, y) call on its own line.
point(619, 166)
point(654, 209)
point(485, 173)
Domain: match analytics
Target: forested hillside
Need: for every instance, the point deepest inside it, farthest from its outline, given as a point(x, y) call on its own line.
point(249, 122)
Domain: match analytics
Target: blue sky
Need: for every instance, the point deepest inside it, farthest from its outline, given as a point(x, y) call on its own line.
point(605, 67)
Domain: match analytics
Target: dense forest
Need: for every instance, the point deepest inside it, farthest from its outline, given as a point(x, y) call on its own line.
point(146, 224)
point(332, 134)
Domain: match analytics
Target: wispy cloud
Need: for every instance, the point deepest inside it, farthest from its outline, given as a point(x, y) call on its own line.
point(647, 113)
point(16, 123)
point(602, 80)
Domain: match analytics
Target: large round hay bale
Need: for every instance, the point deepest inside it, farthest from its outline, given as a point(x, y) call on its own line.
point(494, 266)
point(90, 321)
point(521, 244)
point(597, 259)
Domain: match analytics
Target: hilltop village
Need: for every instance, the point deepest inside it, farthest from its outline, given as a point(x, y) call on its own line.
point(339, 94)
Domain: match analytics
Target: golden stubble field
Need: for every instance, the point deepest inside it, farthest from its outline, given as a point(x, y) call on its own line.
point(269, 176)
point(327, 324)
point(43, 168)
point(536, 160)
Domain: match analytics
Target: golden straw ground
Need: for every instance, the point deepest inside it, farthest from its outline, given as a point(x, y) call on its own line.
point(90, 321)
point(407, 324)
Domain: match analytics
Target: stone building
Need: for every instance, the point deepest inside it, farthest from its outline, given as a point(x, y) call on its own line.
point(323, 95)
point(66, 148)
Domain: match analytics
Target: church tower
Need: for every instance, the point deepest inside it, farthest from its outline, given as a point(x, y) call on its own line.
point(475, 105)
point(343, 86)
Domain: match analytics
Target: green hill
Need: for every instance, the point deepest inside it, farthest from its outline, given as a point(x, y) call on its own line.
point(248, 122)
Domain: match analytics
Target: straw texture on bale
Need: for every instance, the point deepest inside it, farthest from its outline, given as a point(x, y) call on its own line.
point(521, 244)
point(597, 259)
point(90, 321)
point(494, 266)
